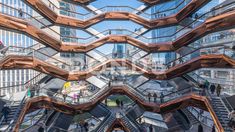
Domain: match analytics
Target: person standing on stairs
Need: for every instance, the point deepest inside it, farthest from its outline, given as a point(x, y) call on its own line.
point(37, 89)
point(213, 129)
point(206, 84)
point(218, 90)
point(118, 102)
point(5, 111)
point(106, 102)
point(161, 98)
point(74, 98)
point(3, 50)
point(64, 94)
point(1, 45)
point(212, 88)
point(109, 84)
point(155, 97)
point(29, 94)
point(20, 12)
point(121, 103)
point(200, 128)
point(140, 120)
point(78, 97)
point(151, 128)
point(149, 96)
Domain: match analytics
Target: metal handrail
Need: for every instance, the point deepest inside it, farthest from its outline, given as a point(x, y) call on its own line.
point(230, 106)
point(193, 51)
point(141, 12)
point(35, 51)
point(196, 20)
point(141, 63)
point(106, 117)
point(57, 128)
point(98, 61)
point(54, 121)
point(203, 15)
point(211, 101)
point(218, 111)
point(104, 123)
point(199, 113)
point(22, 101)
point(132, 123)
point(10, 126)
point(40, 75)
point(201, 116)
point(25, 129)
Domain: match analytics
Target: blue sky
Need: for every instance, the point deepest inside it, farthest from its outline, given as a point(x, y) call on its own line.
point(102, 3)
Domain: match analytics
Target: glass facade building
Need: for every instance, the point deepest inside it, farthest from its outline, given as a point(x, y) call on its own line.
point(15, 77)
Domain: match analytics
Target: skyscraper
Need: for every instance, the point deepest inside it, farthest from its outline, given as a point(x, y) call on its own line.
point(8, 38)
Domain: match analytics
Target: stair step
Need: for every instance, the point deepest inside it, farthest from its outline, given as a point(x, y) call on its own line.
point(221, 111)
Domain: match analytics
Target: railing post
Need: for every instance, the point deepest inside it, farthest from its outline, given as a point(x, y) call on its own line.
point(191, 90)
point(33, 53)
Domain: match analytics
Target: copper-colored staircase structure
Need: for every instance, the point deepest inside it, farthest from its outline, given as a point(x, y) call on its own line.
point(204, 61)
point(118, 122)
point(50, 103)
point(69, 21)
point(216, 23)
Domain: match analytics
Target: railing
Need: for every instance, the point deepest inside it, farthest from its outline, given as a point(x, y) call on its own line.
point(137, 83)
point(219, 114)
point(136, 92)
point(8, 104)
point(137, 61)
point(70, 99)
point(140, 62)
point(37, 113)
point(106, 123)
point(23, 86)
point(221, 37)
point(52, 124)
point(182, 30)
point(31, 81)
point(164, 97)
point(106, 9)
point(197, 78)
point(15, 117)
point(177, 34)
point(56, 128)
point(14, 50)
point(101, 123)
point(212, 49)
point(36, 46)
point(130, 122)
point(229, 105)
point(203, 119)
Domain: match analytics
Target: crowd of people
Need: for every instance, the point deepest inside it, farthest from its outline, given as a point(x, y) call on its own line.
point(212, 88)
point(155, 96)
point(33, 90)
